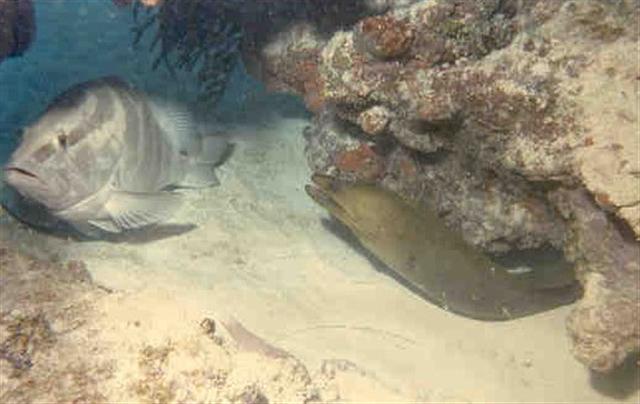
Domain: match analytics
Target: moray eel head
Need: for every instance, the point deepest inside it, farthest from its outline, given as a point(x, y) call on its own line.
point(328, 192)
point(363, 208)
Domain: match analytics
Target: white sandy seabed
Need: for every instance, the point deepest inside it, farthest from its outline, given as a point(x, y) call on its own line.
point(261, 254)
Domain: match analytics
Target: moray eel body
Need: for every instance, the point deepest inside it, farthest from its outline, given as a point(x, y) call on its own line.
point(417, 246)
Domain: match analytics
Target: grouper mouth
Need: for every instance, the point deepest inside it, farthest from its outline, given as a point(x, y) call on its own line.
point(21, 171)
point(13, 172)
point(320, 190)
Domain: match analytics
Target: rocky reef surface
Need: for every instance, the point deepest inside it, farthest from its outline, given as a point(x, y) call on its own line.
point(516, 120)
point(64, 338)
point(17, 27)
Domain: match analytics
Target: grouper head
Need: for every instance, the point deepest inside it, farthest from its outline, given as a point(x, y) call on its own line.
point(37, 170)
point(50, 165)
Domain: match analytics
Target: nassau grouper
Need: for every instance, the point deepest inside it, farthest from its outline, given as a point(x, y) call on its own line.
point(416, 245)
point(104, 156)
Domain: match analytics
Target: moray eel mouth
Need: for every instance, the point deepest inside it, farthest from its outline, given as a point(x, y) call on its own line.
point(324, 191)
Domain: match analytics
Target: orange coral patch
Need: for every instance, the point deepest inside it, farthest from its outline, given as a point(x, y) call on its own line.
point(363, 162)
point(408, 168)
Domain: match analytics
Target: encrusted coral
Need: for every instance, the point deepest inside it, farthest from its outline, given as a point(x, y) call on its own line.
point(374, 121)
point(604, 328)
point(491, 111)
point(383, 37)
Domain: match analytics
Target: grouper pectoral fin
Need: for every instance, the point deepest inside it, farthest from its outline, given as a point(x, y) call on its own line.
point(131, 210)
point(103, 224)
point(200, 175)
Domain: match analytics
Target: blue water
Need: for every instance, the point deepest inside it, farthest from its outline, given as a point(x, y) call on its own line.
point(78, 40)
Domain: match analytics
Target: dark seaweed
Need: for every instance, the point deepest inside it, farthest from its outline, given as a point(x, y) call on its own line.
point(200, 35)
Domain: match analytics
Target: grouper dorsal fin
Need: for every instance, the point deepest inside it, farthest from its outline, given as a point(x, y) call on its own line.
point(200, 173)
point(132, 210)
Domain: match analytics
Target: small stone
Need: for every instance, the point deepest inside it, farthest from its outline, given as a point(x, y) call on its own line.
point(208, 325)
point(374, 120)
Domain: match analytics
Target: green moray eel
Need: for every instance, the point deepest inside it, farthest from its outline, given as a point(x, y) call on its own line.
point(417, 246)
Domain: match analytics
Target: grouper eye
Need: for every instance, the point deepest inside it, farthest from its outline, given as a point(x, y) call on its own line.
point(62, 140)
